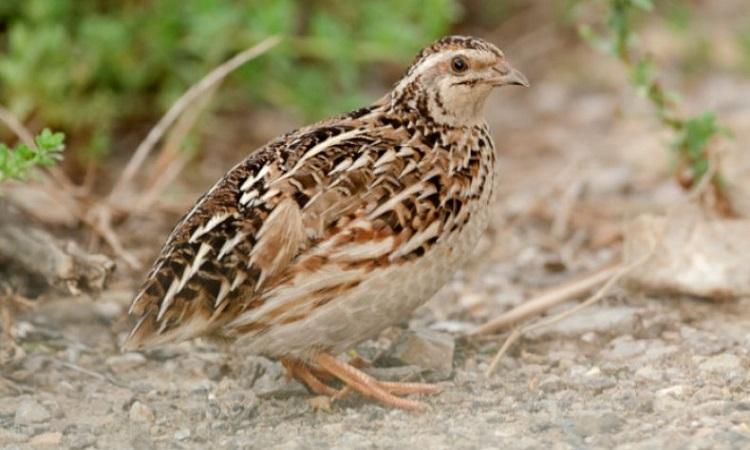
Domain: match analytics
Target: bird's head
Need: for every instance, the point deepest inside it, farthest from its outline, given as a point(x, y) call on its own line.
point(450, 80)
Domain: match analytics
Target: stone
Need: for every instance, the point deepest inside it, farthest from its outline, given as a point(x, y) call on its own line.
point(611, 320)
point(694, 255)
point(49, 439)
point(125, 362)
point(427, 349)
point(233, 402)
point(724, 362)
point(588, 424)
point(30, 412)
point(649, 373)
point(80, 440)
point(182, 434)
point(624, 347)
point(668, 403)
point(140, 412)
point(551, 383)
point(676, 391)
point(8, 437)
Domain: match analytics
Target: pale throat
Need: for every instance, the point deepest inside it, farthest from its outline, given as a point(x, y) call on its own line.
point(456, 107)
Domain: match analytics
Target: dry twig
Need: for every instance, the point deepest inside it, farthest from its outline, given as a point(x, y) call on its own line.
point(171, 160)
point(547, 300)
point(17, 127)
point(177, 108)
point(598, 295)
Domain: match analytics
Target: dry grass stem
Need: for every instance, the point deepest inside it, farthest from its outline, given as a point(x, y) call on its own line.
point(567, 204)
point(597, 296)
point(17, 127)
point(547, 300)
point(171, 160)
point(101, 222)
point(177, 108)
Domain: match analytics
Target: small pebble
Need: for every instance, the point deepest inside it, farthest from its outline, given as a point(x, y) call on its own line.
point(47, 439)
point(30, 412)
point(141, 413)
point(123, 363)
point(427, 349)
point(720, 363)
point(182, 434)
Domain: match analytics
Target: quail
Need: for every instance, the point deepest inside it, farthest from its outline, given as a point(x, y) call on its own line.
point(330, 233)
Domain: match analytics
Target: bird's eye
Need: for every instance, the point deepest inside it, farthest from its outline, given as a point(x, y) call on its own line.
point(459, 64)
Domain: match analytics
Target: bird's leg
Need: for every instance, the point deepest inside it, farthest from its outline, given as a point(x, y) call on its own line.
point(396, 387)
point(301, 372)
point(383, 392)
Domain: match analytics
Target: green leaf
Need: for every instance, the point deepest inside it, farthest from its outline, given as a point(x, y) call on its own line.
point(643, 73)
point(16, 163)
point(646, 5)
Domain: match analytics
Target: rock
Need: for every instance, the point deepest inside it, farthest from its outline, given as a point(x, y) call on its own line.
point(182, 434)
point(612, 320)
point(694, 255)
point(624, 347)
point(30, 412)
point(140, 412)
point(551, 383)
point(80, 440)
point(48, 439)
point(588, 424)
point(233, 401)
point(677, 391)
point(724, 362)
point(398, 373)
point(274, 381)
point(649, 373)
point(452, 326)
point(8, 437)
point(426, 349)
point(668, 403)
point(111, 308)
point(123, 363)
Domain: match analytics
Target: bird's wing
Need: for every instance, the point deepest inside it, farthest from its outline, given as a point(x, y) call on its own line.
point(349, 195)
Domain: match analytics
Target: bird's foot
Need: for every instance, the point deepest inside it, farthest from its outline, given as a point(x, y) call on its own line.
point(386, 392)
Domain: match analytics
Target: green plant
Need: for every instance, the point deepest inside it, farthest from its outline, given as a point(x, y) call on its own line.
point(93, 68)
point(693, 135)
point(16, 163)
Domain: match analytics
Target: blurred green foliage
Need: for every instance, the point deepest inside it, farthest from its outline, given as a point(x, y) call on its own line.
point(90, 66)
point(17, 162)
point(692, 135)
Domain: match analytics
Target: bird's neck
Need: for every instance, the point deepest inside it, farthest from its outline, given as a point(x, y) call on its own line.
point(430, 109)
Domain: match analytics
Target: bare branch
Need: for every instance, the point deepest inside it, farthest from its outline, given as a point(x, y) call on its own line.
point(17, 127)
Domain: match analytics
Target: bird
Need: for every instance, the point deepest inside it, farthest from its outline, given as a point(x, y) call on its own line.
point(329, 234)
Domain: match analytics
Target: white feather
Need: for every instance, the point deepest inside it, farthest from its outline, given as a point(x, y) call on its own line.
point(250, 182)
point(208, 226)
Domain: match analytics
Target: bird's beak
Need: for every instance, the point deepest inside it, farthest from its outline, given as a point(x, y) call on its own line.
point(508, 75)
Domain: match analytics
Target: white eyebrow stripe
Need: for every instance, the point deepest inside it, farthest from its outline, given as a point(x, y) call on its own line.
point(431, 61)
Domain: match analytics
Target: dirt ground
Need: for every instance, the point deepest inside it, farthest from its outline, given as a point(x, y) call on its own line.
point(579, 156)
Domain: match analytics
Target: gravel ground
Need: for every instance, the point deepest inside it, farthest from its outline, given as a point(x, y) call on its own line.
point(634, 371)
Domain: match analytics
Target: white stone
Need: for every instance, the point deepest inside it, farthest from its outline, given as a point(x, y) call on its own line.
point(123, 363)
point(30, 412)
point(721, 363)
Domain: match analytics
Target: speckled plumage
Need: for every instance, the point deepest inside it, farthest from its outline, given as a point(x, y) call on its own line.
point(328, 234)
